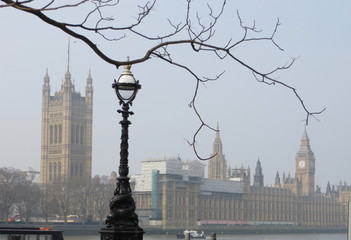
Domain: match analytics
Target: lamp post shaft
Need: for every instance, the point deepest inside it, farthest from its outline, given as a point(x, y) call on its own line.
point(123, 164)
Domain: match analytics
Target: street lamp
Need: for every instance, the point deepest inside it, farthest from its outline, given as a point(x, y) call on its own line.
point(122, 222)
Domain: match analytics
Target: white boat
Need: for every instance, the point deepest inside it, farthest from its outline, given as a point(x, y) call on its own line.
point(193, 234)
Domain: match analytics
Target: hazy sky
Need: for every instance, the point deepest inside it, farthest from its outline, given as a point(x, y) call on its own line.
point(256, 120)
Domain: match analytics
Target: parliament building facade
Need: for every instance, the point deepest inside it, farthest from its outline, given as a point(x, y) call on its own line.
point(171, 193)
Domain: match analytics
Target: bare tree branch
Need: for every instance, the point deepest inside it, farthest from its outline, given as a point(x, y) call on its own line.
point(193, 31)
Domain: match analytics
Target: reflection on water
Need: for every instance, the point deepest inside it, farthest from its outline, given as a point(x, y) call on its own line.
point(235, 237)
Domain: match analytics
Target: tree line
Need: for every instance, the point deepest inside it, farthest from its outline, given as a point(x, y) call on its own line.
point(24, 200)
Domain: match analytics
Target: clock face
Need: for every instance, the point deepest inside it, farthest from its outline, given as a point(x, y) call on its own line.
point(301, 164)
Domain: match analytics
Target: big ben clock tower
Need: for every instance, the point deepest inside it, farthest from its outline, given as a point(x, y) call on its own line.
point(305, 167)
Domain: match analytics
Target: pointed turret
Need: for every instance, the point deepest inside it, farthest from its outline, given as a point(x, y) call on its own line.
point(305, 143)
point(328, 190)
point(217, 145)
point(217, 167)
point(89, 79)
point(89, 86)
point(258, 170)
point(258, 177)
point(46, 84)
point(305, 136)
point(277, 180)
point(67, 85)
point(68, 75)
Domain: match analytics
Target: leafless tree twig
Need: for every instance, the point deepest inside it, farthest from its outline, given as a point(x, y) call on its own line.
point(199, 37)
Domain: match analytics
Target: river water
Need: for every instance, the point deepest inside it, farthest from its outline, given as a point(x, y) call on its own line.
point(236, 237)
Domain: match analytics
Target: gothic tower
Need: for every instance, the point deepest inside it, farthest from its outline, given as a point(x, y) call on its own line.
point(277, 181)
point(217, 167)
point(66, 138)
point(305, 167)
point(258, 177)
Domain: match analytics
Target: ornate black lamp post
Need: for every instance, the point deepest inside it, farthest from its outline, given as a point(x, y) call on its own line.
point(122, 222)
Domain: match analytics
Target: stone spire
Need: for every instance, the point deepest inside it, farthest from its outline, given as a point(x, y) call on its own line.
point(277, 180)
point(89, 86)
point(217, 145)
point(68, 76)
point(305, 136)
point(258, 177)
point(89, 79)
point(46, 84)
point(217, 167)
point(305, 143)
point(328, 190)
point(67, 83)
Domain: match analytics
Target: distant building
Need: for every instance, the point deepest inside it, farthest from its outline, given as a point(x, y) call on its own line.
point(31, 175)
point(66, 138)
point(172, 193)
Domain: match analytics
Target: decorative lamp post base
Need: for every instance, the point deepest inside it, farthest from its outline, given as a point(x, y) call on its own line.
point(122, 233)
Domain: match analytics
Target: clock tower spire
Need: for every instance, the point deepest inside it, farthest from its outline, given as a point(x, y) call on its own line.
point(305, 166)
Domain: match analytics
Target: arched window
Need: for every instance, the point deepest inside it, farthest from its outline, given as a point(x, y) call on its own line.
point(55, 134)
point(51, 134)
point(50, 171)
point(55, 171)
point(81, 135)
point(60, 133)
point(59, 170)
point(77, 134)
point(72, 170)
point(81, 169)
point(72, 134)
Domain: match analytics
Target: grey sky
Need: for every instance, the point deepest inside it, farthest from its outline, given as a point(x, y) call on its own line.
point(256, 121)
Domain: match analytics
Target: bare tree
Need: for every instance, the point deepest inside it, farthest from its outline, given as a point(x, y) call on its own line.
point(94, 22)
point(9, 181)
point(47, 201)
point(102, 191)
point(63, 197)
point(83, 200)
point(28, 199)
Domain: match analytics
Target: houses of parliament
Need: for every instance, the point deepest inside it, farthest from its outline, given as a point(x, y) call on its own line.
point(173, 193)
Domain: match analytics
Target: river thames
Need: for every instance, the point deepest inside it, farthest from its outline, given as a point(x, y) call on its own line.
point(235, 237)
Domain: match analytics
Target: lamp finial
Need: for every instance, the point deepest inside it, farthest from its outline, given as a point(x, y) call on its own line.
point(127, 67)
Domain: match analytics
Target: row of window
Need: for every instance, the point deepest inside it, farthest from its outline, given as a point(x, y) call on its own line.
point(54, 171)
point(55, 134)
point(76, 170)
point(77, 134)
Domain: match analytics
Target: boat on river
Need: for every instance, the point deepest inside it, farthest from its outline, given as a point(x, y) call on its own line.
point(30, 233)
point(193, 234)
